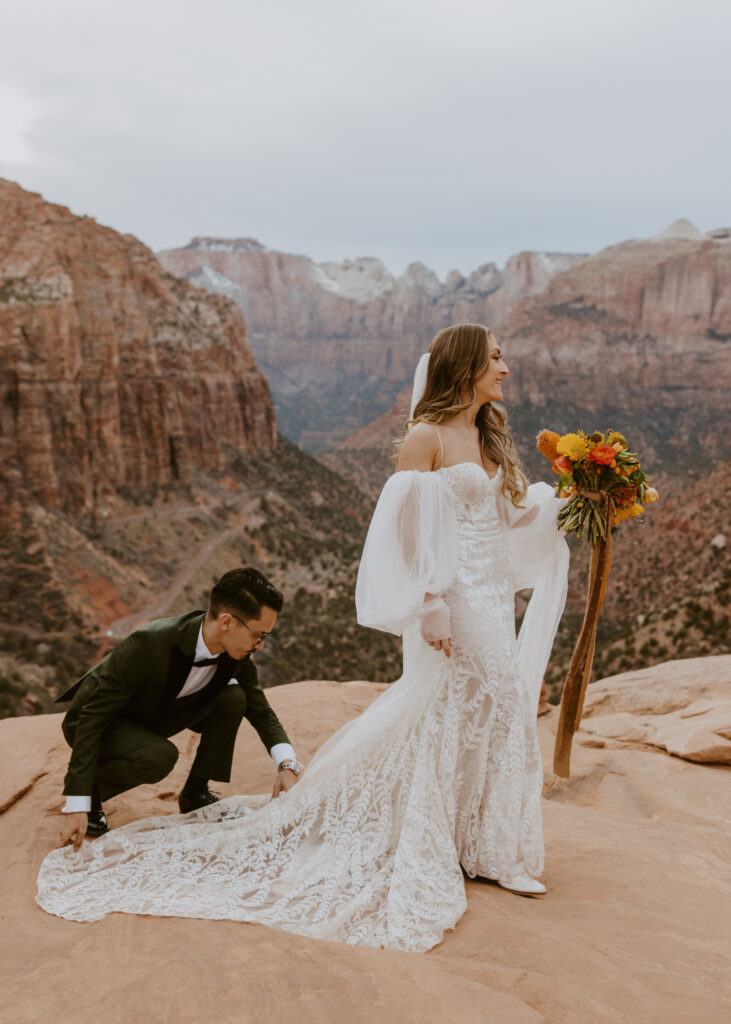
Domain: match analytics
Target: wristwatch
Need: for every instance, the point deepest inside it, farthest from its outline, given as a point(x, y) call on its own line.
point(292, 766)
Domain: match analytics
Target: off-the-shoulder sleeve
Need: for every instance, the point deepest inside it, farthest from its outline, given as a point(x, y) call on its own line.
point(410, 550)
point(531, 534)
point(539, 559)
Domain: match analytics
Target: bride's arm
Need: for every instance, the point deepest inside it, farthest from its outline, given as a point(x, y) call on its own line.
point(422, 452)
point(531, 534)
point(540, 501)
point(410, 551)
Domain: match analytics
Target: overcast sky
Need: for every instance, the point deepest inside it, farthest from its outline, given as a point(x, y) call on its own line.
point(453, 132)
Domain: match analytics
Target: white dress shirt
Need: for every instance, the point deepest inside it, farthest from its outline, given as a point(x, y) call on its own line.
point(198, 677)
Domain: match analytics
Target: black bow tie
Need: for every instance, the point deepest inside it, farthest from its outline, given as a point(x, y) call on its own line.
point(206, 661)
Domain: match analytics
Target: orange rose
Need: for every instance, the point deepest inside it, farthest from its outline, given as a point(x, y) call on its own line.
point(562, 465)
point(602, 454)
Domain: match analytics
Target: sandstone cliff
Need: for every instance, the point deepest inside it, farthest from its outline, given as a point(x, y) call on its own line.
point(113, 373)
point(634, 926)
point(140, 461)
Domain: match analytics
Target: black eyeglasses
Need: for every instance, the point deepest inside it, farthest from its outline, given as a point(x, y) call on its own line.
point(259, 637)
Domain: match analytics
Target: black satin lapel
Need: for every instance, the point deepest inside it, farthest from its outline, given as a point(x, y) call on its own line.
point(178, 669)
point(181, 661)
point(226, 668)
point(190, 635)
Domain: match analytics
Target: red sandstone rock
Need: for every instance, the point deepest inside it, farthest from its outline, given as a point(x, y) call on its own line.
point(112, 372)
point(641, 326)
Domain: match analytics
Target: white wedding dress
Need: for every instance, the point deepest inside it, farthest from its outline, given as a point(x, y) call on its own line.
point(442, 772)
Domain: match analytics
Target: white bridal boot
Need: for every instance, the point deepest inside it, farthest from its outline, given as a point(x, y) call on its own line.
point(524, 885)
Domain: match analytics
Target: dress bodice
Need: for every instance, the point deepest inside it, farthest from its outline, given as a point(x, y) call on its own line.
point(474, 491)
point(481, 559)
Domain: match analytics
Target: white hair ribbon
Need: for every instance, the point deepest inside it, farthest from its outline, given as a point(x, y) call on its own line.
point(419, 382)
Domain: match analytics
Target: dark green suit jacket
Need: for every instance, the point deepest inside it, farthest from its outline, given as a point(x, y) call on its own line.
point(140, 679)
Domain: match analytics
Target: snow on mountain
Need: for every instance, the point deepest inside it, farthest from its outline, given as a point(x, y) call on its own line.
point(556, 262)
point(360, 280)
point(210, 279)
point(208, 244)
point(421, 278)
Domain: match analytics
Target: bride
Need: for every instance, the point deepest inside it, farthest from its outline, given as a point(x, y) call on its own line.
point(442, 774)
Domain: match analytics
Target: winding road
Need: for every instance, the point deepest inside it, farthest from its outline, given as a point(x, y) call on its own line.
point(121, 628)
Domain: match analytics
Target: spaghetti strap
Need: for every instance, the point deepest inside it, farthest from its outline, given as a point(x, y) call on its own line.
point(441, 446)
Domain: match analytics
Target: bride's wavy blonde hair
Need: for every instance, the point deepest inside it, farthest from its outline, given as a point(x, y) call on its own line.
point(458, 355)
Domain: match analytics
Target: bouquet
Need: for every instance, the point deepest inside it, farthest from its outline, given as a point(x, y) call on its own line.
point(603, 479)
point(605, 484)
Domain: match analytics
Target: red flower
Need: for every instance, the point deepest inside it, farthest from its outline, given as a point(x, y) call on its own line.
point(562, 465)
point(602, 454)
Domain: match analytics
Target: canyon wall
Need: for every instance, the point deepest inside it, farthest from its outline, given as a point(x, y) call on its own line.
point(113, 372)
point(140, 460)
point(338, 341)
point(637, 333)
point(637, 337)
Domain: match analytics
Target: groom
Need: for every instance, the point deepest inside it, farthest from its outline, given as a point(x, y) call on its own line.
point(193, 671)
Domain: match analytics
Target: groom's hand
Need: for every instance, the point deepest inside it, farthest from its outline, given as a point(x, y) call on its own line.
point(73, 829)
point(285, 780)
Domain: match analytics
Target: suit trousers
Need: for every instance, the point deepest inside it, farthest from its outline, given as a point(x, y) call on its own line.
point(132, 754)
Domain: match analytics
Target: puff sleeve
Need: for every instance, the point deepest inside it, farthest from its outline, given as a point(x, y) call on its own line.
point(410, 551)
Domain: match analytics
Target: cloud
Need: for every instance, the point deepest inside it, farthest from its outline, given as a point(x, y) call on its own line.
point(454, 134)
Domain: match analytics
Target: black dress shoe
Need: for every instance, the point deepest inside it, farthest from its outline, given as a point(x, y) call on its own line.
point(96, 824)
point(192, 803)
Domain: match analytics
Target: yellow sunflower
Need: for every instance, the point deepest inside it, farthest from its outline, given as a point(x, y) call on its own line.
point(574, 446)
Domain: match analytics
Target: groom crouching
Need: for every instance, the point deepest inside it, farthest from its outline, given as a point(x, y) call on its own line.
point(193, 671)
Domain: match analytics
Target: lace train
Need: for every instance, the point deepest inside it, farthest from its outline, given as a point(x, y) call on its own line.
point(442, 773)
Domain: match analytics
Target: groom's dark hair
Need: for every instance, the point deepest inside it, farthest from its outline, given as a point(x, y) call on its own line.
point(243, 592)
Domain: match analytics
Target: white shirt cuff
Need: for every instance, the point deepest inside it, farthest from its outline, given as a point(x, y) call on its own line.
point(74, 804)
point(282, 752)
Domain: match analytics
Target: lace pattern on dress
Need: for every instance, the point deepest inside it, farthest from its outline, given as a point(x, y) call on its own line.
point(369, 847)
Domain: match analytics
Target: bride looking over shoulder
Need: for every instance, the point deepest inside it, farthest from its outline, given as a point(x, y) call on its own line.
point(460, 396)
point(470, 533)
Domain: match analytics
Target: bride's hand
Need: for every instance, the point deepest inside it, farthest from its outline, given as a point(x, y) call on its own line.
point(442, 645)
point(435, 624)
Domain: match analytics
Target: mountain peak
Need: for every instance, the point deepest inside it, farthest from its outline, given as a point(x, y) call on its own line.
point(680, 229)
point(208, 244)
